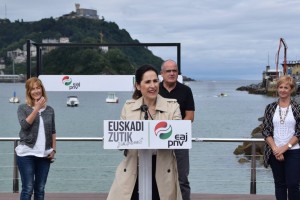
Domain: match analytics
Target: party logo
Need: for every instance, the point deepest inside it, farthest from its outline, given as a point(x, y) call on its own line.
point(163, 130)
point(66, 80)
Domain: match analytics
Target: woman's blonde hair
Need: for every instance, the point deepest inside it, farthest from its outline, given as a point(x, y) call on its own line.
point(287, 79)
point(29, 85)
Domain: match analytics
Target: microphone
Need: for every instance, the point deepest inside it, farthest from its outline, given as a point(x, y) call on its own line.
point(144, 108)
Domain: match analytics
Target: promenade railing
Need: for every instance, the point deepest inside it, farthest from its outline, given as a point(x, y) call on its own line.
point(76, 151)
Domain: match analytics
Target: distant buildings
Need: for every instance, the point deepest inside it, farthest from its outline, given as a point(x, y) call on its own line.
point(87, 13)
point(270, 75)
point(11, 78)
point(82, 12)
point(20, 55)
point(17, 55)
point(47, 49)
point(293, 68)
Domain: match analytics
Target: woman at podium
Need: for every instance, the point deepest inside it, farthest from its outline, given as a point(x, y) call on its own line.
point(147, 104)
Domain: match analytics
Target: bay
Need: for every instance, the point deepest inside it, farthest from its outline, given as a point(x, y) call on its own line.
point(87, 167)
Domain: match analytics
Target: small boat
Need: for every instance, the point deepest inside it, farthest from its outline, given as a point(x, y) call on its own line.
point(72, 101)
point(14, 99)
point(112, 98)
point(222, 95)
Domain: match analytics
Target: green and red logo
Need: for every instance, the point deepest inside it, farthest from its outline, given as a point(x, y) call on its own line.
point(66, 80)
point(163, 130)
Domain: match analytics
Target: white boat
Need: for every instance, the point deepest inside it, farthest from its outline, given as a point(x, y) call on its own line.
point(14, 99)
point(72, 101)
point(112, 98)
point(15, 78)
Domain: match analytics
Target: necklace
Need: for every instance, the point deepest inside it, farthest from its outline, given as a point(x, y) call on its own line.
point(282, 118)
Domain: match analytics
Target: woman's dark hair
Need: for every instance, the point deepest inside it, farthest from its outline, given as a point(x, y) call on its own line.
point(139, 73)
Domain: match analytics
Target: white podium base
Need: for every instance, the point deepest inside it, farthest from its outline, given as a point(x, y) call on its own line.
point(145, 174)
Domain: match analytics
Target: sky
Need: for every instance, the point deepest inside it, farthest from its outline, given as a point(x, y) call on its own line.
point(220, 39)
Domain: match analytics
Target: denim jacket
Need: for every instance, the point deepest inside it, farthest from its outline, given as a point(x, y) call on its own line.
point(29, 132)
point(268, 127)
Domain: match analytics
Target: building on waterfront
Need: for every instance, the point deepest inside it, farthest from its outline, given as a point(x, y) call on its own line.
point(293, 69)
point(10, 78)
point(269, 79)
point(271, 75)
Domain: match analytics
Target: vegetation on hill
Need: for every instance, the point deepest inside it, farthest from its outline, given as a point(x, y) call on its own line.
point(75, 60)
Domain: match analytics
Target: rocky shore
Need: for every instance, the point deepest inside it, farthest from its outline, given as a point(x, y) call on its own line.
point(185, 78)
point(253, 89)
point(246, 147)
point(260, 89)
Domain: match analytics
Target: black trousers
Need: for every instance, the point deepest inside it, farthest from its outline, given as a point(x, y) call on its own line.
point(155, 195)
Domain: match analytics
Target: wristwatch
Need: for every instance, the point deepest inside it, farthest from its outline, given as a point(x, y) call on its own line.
point(290, 145)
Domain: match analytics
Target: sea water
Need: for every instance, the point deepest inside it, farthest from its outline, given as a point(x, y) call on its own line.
point(87, 167)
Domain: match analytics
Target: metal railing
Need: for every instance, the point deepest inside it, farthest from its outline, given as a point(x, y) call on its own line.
point(253, 141)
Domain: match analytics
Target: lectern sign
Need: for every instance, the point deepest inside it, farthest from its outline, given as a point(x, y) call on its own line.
point(147, 134)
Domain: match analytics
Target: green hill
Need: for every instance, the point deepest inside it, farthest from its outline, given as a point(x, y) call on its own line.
point(62, 60)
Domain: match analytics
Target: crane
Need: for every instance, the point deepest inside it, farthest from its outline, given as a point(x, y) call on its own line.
point(281, 42)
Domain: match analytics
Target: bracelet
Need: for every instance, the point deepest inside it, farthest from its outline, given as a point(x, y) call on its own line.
point(54, 150)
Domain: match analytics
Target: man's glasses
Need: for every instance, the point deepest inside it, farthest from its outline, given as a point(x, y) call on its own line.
point(171, 70)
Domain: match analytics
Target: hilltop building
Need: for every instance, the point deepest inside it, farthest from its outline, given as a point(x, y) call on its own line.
point(87, 13)
point(82, 12)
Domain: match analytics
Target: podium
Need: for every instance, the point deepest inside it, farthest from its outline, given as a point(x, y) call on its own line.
point(146, 135)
